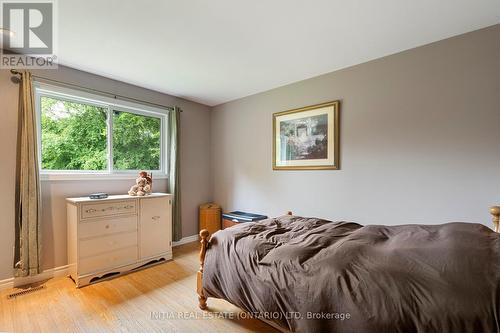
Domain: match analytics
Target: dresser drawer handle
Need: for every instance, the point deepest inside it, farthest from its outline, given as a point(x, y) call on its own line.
point(107, 226)
point(156, 218)
point(92, 210)
point(108, 208)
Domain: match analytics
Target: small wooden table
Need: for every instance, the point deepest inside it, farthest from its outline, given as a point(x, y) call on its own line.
point(237, 217)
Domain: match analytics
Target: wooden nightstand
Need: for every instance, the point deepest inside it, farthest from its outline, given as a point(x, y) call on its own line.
point(226, 223)
point(237, 217)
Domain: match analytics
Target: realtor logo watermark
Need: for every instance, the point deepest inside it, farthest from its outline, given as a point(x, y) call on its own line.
point(28, 34)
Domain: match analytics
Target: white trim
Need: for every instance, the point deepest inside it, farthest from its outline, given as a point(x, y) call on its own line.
point(94, 176)
point(109, 129)
point(93, 98)
point(62, 271)
point(186, 240)
point(14, 282)
point(110, 105)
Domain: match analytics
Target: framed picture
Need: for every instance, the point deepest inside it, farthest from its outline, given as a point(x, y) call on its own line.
point(307, 138)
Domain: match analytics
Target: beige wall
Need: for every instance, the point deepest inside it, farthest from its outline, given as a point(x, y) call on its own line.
point(420, 140)
point(195, 137)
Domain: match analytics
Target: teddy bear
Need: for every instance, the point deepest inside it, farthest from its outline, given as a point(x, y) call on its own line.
point(143, 185)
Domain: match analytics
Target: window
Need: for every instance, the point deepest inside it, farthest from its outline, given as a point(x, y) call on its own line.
point(81, 133)
point(136, 141)
point(74, 135)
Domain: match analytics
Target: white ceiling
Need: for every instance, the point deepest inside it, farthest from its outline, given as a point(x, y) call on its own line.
point(216, 51)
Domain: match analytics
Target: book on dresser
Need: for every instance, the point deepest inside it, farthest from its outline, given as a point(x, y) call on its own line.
point(116, 235)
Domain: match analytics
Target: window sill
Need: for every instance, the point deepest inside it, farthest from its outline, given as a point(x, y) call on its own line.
point(92, 176)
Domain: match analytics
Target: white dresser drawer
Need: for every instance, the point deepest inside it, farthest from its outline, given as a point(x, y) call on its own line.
point(107, 226)
point(107, 260)
point(94, 246)
point(92, 210)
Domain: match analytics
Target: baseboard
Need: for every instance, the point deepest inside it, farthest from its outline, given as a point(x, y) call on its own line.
point(186, 240)
point(45, 275)
point(63, 270)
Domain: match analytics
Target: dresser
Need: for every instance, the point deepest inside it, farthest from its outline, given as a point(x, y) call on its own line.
point(116, 235)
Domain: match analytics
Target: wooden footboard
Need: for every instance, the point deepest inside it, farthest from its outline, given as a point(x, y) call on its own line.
point(202, 298)
point(495, 211)
point(205, 242)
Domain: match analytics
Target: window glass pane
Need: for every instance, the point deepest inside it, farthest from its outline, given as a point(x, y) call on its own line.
point(136, 141)
point(74, 135)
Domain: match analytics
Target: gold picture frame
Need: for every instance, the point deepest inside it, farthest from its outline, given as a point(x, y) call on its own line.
point(307, 138)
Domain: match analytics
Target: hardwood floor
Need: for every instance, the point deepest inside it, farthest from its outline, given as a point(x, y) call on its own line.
point(157, 299)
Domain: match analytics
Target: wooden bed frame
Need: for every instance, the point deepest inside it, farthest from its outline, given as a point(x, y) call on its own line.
point(205, 242)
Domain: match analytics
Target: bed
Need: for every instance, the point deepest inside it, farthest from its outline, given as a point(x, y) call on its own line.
point(313, 275)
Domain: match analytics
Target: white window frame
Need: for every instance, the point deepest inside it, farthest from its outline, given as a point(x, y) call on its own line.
point(110, 104)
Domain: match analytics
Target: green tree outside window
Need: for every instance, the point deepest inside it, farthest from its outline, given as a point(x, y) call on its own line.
point(74, 136)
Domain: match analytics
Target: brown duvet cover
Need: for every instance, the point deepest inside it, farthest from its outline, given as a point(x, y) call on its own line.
point(313, 275)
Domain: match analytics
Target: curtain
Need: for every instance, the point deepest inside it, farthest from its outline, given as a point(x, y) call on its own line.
point(27, 231)
point(174, 171)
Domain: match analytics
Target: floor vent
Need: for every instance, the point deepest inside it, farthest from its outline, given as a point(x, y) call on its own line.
point(24, 292)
